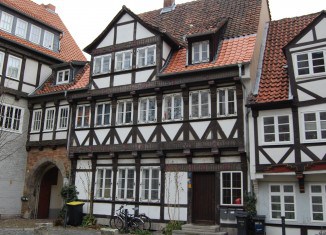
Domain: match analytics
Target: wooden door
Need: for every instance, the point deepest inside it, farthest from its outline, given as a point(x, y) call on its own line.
point(203, 206)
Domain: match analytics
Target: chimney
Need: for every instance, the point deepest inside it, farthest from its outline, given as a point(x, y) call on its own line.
point(49, 7)
point(168, 3)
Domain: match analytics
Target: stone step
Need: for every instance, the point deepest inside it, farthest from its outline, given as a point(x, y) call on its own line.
point(195, 227)
point(197, 232)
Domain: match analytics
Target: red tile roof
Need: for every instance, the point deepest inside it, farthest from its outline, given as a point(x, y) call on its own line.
point(68, 48)
point(274, 81)
point(233, 51)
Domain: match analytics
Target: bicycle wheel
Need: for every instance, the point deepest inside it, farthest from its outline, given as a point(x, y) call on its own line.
point(147, 222)
point(119, 223)
point(136, 223)
point(112, 221)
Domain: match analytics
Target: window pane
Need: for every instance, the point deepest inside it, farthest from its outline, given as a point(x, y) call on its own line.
point(177, 107)
point(141, 57)
point(167, 108)
point(150, 56)
point(316, 188)
point(106, 64)
point(275, 188)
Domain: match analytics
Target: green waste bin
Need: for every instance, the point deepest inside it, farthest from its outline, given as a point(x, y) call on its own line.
point(75, 213)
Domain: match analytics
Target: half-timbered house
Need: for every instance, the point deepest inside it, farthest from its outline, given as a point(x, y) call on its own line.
point(288, 142)
point(32, 40)
point(162, 126)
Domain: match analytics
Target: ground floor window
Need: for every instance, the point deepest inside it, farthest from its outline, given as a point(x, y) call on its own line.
point(318, 202)
point(282, 201)
point(103, 187)
point(126, 184)
point(231, 184)
point(150, 183)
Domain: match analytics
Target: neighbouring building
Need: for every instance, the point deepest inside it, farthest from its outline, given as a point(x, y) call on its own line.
point(288, 123)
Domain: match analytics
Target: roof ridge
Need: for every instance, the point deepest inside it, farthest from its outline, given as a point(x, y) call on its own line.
point(298, 17)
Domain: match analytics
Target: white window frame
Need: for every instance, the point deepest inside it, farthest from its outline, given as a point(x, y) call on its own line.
point(125, 187)
point(32, 33)
point(124, 102)
point(2, 58)
point(226, 102)
point(231, 186)
point(276, 129)
point(63, 73)
point(150, 189)
point(146, 99)
point(102, 186)
point(61, 118)
point(101, 65)
point(322, 194)
point(48, 39)
point(318, 126)
point(49, 120)
point(200, 44)
point(9, 123)
point(21, 28)
point(172, 96)
point(103, 114)
point(83, 116)
point(310, 63)
point(199, 104)
point(6, 21)
point(39, 120)
point(12, 61)
point(124, 64)
point(146, 64)
point(282, 194)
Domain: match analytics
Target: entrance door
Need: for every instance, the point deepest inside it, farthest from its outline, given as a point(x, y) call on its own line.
point(203, 207)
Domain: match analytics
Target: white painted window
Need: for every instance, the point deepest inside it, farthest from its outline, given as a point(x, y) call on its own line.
point(146, 56)
point(103, 185)
point(103, 114)
point(315, 125)
point(49, 119)
point(200, 104)
point(35, 34)
point(48, 40)
point(63, 76)
point(11, 118)
point(123, 60)
point(226, 102)
point(36, 121)
point(125, 112)
point(172, 107)
point(83, 116)
point(13, 67)
point(231, 188)
point(200, 52)
point(21, 28)
point(6, 21)
point(310, 63)
point(318, 202)
point(2, 57)
point(102, 64)
point(126, 183)
point(282, 201)
point(276, 129)
point(147, 110)
point(150, 184)
point(63, 118)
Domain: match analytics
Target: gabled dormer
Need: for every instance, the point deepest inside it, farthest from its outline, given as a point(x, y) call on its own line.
point(65, 73)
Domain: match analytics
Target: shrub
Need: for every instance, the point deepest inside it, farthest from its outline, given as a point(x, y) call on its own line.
point(172, 225)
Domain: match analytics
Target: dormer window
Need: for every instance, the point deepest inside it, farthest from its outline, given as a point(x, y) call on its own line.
point(123, 60)
point(48, 40)
point(21, 28)
point(6, 21)
point(310, 63)
point(200, 52)
point(63, 76)
point(102, 64)
point(35, 35)
point(146, 56)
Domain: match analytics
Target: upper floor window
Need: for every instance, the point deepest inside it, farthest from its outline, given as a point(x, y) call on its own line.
point(63, 118)
point(276, 129)
point(102, 64)
point(6, 21)
point(103, 186)
point(226, 102)
point(231, 191)
point(150, 183)
point(315, 125)
point(147, 110)
point(48, 40)
point(21, 28)
point(13, 67)
point(200, 52)
point(83, 115)
point(310, 63)
point(49, 119)
point(11, 118)
point(36, 121)
point(282, 201)
point(318, 202)
point(172, 107)
point(63, 76)
point(126, 183)
point(146, 56)
point(103, 114)
point(123, 60)
point(200, 104)
point(35, 34)
point(2, 57)
point(124, 114)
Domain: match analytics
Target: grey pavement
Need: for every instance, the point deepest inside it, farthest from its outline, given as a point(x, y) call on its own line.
point(54, 231)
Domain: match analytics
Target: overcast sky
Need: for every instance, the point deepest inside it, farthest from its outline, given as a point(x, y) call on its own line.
point(87, 19)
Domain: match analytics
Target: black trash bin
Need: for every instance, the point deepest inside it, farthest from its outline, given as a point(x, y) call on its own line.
point(259, 224)
point(75, 213)
point(242, 222)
